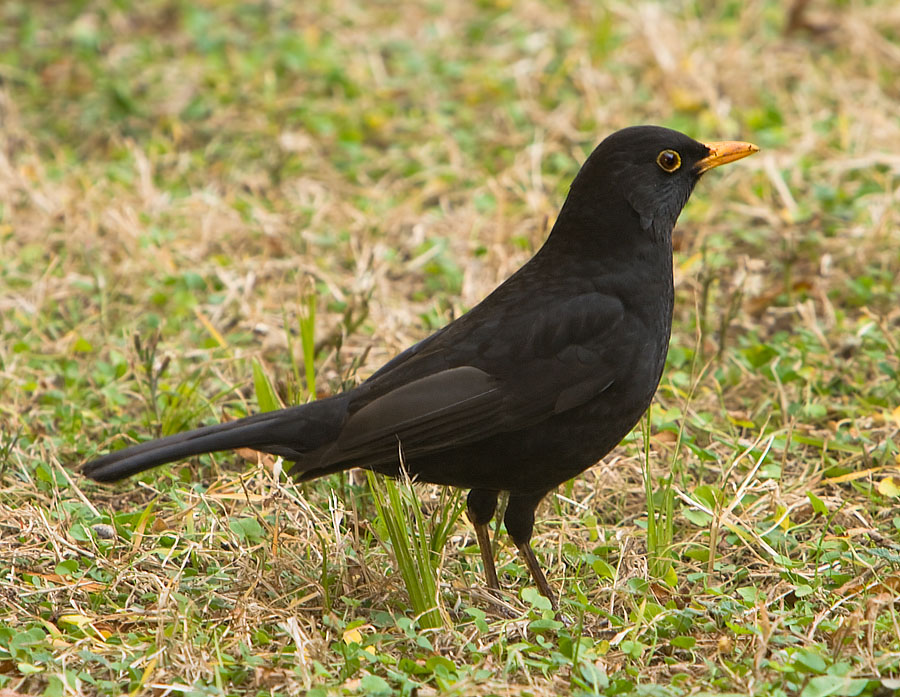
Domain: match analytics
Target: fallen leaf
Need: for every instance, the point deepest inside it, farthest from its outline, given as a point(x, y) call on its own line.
point(889, 487)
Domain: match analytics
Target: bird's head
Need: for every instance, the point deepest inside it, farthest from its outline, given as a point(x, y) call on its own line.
point(651, 171)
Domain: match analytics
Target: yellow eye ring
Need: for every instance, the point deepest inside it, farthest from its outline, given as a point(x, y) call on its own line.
point(668, 160)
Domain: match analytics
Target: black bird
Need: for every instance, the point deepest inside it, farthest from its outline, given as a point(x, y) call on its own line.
point(529, 388)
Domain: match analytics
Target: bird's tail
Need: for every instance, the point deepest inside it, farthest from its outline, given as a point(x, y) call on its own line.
point(291, 432)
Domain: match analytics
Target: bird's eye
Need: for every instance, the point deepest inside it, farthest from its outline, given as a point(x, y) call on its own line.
point(668, 160)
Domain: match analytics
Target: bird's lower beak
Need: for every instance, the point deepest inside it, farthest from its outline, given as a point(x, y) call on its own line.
point(722, 152)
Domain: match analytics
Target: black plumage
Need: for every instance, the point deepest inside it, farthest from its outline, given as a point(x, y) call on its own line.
point(530, 387)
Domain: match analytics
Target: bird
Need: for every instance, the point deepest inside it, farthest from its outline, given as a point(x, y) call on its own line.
point(527, 389)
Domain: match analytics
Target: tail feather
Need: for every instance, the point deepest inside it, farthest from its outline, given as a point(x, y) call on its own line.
point(291, 432)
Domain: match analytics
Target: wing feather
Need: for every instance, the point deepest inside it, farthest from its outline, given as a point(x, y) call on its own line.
point(450, 398)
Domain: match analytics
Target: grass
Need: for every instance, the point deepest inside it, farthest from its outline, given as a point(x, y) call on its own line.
point(277, 198)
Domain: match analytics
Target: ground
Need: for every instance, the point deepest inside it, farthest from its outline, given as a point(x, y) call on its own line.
point(210, 207)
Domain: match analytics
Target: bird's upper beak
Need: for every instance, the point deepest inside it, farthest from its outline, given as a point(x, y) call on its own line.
point(723, 152)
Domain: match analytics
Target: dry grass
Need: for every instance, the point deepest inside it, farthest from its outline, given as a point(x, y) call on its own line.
point(196, 170)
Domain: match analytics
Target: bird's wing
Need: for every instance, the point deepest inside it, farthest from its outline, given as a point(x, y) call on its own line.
point(475, 379)
point(435, 410)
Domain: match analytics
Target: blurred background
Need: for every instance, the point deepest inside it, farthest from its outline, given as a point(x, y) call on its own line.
point(203, 174)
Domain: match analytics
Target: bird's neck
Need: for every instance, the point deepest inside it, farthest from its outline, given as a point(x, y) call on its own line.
point(611, 231)
point(618, 255)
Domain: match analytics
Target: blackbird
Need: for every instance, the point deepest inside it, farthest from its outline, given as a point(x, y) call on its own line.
point(530, 387)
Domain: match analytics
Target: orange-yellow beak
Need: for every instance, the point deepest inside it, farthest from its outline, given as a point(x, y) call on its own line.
point(723, 152)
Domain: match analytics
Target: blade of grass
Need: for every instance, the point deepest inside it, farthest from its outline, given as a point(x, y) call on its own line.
point(659, 519)
point(308, 342)
point(265, 391)
point(417, 546)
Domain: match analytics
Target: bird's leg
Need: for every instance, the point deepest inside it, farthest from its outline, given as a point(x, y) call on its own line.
point(537, 574)
point(481, 504)
point(482, 533)
point(519, 520)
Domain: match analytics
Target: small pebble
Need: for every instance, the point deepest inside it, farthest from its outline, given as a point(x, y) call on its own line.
point(104, 531)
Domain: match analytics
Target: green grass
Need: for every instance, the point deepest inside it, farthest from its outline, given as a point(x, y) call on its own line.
point(276, 198)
